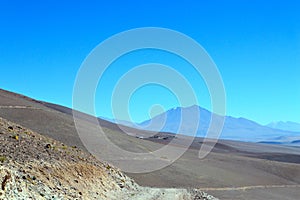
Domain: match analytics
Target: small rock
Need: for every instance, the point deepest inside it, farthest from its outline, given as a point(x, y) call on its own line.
point(121, 185)
point(16, 137)
point(5, 180)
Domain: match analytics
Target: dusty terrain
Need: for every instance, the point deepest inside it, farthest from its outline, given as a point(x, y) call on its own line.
point(233, 170)
point(37, 167)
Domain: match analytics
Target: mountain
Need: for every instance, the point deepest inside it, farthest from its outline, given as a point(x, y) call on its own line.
point(287, 126)
point(240, 129)
point(42, 157)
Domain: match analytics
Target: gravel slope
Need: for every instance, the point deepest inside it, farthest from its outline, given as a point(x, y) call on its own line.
point(33, 166)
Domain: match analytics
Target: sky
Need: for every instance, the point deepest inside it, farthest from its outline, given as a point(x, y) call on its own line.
point(255, 45)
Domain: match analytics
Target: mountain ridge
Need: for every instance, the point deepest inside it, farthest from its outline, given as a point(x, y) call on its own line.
point(241, 129)
point(40, 165)
point(285, 125)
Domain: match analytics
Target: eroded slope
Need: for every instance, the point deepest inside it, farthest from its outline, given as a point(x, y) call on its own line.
point(37, 167)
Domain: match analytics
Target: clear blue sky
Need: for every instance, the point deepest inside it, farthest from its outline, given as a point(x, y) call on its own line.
point(255, 44)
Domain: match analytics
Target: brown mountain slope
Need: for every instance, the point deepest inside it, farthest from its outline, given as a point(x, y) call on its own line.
point(37, 167)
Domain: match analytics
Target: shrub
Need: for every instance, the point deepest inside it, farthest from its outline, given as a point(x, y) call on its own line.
point(2, 159)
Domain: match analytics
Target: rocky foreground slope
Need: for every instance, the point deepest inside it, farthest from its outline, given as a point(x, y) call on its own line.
point(33, 166)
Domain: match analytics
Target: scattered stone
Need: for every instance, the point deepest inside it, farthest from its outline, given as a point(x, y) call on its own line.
point(5, 180)
point(16, 137)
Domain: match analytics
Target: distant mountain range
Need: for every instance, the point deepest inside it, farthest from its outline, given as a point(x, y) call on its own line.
point(287, 126)
point(240, 129)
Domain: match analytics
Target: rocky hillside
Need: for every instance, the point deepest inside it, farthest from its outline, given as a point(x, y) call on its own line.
point(33, 166)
